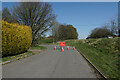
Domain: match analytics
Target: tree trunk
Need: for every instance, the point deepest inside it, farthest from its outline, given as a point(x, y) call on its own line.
point(119, 33)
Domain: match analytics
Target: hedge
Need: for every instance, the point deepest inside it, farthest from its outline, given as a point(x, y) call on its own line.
point(15, 38)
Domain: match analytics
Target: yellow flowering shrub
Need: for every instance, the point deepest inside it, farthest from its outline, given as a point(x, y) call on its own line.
point(15, 38)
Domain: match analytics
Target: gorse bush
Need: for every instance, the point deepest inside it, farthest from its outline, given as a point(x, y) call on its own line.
point(15, 38)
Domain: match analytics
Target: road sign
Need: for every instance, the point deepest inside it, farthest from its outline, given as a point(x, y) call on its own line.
point(61, 43)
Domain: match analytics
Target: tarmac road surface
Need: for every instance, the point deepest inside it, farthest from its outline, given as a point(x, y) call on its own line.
point(50, 64)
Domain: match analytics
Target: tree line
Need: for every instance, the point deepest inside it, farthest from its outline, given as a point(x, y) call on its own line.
point(64, 32)
point(106, 30)
point(40, 17)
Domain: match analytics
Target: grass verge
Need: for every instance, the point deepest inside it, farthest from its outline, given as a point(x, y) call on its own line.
point(23, 55)
point(19, 56)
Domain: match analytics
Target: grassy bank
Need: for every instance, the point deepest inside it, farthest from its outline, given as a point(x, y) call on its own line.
point(103, 53)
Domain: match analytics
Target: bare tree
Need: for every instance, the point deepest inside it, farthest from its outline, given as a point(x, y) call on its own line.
point(55, 31)
point(6, 15)
point(119, 19)
point(37, 15)
point(0, 15)
point(113, 27)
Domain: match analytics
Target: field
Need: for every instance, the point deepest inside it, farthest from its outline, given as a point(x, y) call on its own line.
point(38, 48)
point(103, 53)
point(46, 41)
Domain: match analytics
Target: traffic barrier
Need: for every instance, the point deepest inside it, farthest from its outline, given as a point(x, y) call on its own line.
point(62, 49)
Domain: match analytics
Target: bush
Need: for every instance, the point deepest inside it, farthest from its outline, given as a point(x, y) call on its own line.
point(67, 32)
point(100, 33)
point(15, 38)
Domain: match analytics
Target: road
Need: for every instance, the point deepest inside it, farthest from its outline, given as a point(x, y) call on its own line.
point(50, 64)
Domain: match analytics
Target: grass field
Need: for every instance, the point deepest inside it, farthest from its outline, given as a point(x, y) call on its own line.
point(45, 41)
point(38, 47)
point(103, 53)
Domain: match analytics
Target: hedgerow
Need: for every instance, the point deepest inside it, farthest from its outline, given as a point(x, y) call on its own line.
point(15, 38)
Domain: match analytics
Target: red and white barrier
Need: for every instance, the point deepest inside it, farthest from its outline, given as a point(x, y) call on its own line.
point(62, 49)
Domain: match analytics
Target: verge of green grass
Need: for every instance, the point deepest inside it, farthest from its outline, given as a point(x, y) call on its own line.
point(28, 53)
point(38, 47)
point(22, 55)
point(103, 53)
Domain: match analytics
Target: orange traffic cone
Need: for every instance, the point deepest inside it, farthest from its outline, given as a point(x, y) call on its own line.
point(55, 48)
point(67, 47)
point(73, 48)
point(62, 49)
